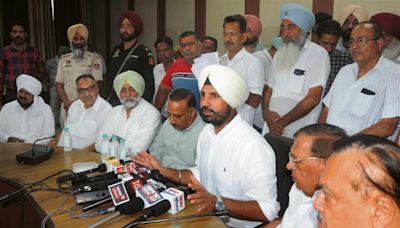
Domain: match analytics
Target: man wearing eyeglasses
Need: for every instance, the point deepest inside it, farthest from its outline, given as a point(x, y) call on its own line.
point(364, 98)
point(86, 115)
point(311, 148)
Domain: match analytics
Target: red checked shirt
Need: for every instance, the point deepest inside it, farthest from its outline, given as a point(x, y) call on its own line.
point(13, 63)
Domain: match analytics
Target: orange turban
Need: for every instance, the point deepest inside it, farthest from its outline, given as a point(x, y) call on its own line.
point(78, 28)
point(254, 24)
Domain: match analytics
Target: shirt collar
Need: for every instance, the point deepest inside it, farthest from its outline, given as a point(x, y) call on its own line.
point(378, 67)
point(258, 47)
point(94, 107)
point(193, 124)
point(229, 126)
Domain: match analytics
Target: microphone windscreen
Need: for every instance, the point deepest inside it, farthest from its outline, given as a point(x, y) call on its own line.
point(160, 208)
point(134, 205)
point(102, 168)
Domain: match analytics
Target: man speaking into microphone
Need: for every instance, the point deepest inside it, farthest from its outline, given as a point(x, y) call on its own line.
point(28, 118)
point(235, 164)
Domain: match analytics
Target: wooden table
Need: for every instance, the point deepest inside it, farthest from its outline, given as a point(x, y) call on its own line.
point(43, 202)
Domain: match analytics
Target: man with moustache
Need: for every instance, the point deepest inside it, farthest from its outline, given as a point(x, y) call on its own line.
point(19, 58)
point(130, 54)
point(210, 44)
point(74, 64)
point(87, 115)
point(247, 65)
point(235, 166)
point(361, 185)
point(180, 74)
point(300, 69)
point(28, 118)
point(350, 17)
point(135, 120)
point(390, 25)
point(312, 146)
point(364, 98)
point(175, 143)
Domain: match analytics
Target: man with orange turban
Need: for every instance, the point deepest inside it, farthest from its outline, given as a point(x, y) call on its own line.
point(130, 55)
point(74, 64)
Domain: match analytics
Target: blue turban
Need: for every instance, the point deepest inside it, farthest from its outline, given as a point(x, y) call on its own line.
point(299, 15)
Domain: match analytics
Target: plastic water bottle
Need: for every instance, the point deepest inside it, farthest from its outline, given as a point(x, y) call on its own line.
point(105, 147)
point(67, 140)
point(114, 146)
point(122, 150)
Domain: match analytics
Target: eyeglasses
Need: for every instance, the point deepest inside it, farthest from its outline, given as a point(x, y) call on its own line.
point(298, 160)
point(89, 89)
point(361, 40)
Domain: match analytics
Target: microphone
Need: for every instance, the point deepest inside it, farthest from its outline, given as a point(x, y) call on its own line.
point(101, 168)
point(155, 210)
point(37, 154)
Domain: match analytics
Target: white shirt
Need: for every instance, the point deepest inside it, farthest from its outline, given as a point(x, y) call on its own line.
point(292, 86)
point(159, 73)
point(252, 71)
point(266, 59)
point(36, 122)
point(240, 163)
point(138, 129)
point(353, 110)
point(85, 124)
point(300, 212)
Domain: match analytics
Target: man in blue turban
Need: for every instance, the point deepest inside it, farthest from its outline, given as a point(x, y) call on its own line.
point(292, 97)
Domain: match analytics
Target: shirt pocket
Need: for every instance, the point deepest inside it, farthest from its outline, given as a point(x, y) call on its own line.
point(361, 104)
point(296, 83)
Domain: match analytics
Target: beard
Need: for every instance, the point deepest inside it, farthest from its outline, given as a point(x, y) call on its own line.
point(25, 104)
point(249, 41)
point(130, 102)
point(289, 53)
point(18, 40)
point(216, 119)
point(78, 50)
point(127, 37)
point(392, 50)
point(346, 34)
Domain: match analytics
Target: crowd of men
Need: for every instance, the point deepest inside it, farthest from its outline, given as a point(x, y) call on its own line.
point(337, 96)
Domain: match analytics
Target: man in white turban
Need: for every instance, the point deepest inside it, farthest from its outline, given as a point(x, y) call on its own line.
point(135, 120)
point(74, 64)
point(28, 118)
point(235, 166)
point(300, 68)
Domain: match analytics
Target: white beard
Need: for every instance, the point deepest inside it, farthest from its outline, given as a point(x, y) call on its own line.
point(392, 50)
point(289, 53)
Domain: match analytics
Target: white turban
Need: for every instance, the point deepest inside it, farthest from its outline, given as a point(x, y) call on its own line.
point(133, 78)
point(30, 84)
point(229, 84)
point(299, 15)
point(358, 11)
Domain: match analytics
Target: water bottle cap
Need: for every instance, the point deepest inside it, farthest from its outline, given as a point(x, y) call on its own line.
point(114, 137)
point(122, 141)
point(66, 129)
point(105, 136)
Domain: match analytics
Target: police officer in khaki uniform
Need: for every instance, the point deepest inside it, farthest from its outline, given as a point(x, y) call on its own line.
point(74, 64)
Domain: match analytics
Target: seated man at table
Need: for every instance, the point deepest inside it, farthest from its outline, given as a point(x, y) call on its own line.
point(175, 143)
point(86, 115)
point(235, 166)
point(312, 146)
point(135, 120)
point(28, 118)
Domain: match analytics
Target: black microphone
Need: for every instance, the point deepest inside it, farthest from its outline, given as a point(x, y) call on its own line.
point(37, 154)
point(128, 208)
point(101, 168)
point(155, 210)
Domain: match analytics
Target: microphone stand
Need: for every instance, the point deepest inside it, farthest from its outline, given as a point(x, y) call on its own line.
point(214, 213)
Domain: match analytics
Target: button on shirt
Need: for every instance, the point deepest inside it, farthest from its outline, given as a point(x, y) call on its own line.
point(240, 163)
point(356, 104)
point(300, 212)
point(138, 129)
point(84, 124)
point(70, 68)
point(292, 86)
point(252, 71)
point(177, 149)
point(33, 123)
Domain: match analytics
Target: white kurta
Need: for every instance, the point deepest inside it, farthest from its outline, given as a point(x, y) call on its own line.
point(356, 104)
point(300, 212)
point(159, 73)
point(34, 123)
point(252, 71)
point(292, 86)
point(138, 130)
point(240, 163)
point(85, 124)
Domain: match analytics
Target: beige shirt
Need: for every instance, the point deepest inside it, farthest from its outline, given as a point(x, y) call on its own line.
point(70, 68)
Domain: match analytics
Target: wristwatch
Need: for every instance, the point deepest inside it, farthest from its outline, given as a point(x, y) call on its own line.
point(219, 205)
